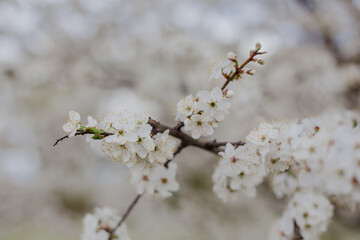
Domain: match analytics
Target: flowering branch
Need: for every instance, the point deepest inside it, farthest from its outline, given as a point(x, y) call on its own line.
point(81, 133)
point(239, 69)
point(186, 140)
point(136, 199)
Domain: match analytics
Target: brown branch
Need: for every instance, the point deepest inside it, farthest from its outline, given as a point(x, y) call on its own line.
point(124, 216)
point(186, 140)
point(297, 233)
point(239, 70)
point(210, 146)
point(177, 151)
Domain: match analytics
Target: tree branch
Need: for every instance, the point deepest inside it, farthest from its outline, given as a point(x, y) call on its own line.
point(210, 146)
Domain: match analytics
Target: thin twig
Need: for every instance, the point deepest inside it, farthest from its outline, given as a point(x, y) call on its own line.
point(81, 133)
point(177, 151)
point(134, 202)
point(126, 214)
point(238, 70)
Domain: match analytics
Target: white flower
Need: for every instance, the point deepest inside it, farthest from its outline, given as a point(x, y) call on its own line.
point(164, 148)
point(124, 129)
point(142, 128)
point(199, 125)
point(185, 108)
point(166, 182)
point(221, 66)
point(213, 103)
point(144, 143)
point(73, 123)
point(259, 137)
point(282, 229)
point(311, 211)
point(98, 225)
point(120, 153)
point(283, 184)
point(143, 178)
point(238, 172)
point(155, 179)
point(91, 122)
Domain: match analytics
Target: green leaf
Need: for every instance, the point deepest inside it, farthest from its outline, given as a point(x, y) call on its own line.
point(93, 130)
point(97, 137)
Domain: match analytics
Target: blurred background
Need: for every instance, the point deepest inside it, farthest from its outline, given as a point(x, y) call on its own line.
point(93, 56)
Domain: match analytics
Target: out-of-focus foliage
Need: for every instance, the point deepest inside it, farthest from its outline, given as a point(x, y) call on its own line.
point(95, 56)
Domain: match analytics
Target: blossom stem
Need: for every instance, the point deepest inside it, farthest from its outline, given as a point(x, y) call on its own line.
point(126, 214)
point(210, 146)
point(238, 70)
point(81, 133)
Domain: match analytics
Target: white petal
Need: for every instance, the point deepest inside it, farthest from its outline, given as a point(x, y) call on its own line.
point(74, 116)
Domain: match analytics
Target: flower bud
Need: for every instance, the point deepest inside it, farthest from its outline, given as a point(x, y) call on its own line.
point(257, 46)
point(261, 62)
point(231, 55)
point(230, 93)
point(250, 72)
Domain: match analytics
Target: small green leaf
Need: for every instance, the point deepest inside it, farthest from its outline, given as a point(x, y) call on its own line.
point(97, 137)
point(93, 130)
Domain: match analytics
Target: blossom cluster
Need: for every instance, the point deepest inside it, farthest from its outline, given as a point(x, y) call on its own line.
point(238, 172)
point(127, 138)
point(307, 210)
point(201, 114)
point(308, 161)
point(97, 226)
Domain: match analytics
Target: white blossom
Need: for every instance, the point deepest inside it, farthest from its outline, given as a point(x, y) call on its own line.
point(92, 122)
point(311, 211)
point(124, 129)
point(222, 65)
point(213, 103)
point(155, 179)
point(73, 123)
point(164, 147)
point(97, 225)
point(238, 172)
point(199, 125)
point(185, 108)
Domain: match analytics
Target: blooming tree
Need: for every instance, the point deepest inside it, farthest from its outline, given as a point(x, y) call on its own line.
point(314, 163)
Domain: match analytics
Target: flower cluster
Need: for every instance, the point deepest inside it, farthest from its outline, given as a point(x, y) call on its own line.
point(239, 171)
point(308, 161)
point(127, 138)
point(155, 180)
point(201, 114)
point(308, 210)
point(97, 226)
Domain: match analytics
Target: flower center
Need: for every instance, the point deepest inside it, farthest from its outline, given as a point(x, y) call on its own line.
point(164, 180)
